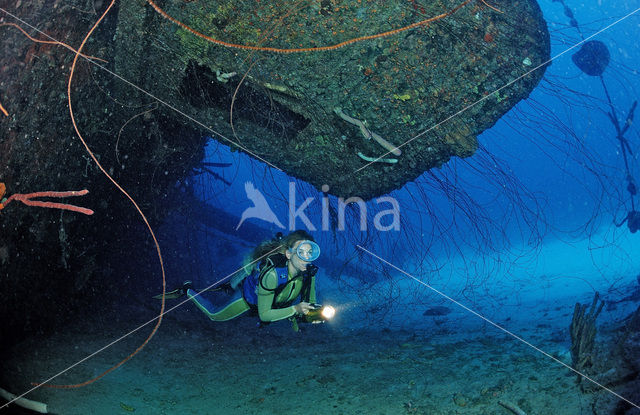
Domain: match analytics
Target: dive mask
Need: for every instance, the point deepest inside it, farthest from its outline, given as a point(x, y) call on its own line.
point(307, 251)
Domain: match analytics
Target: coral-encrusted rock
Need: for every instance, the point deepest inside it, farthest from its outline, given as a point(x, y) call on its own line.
point(52, 262)
point(402, 85)
point(631, 345)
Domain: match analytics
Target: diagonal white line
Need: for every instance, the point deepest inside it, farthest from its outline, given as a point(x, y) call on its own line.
point(473, 104)
point(135, 330)
point(186, 116)
point(149, 94)
point(270, 164)
point(496, 325)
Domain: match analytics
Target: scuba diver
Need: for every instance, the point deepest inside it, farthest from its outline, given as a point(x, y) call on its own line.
point(271, 287)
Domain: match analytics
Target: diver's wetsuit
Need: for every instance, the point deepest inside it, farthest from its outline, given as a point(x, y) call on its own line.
point(270, 307)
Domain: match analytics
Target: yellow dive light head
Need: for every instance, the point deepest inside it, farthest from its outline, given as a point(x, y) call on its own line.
point(319, 313)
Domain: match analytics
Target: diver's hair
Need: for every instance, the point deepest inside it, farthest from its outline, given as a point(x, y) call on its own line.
point(277, 245)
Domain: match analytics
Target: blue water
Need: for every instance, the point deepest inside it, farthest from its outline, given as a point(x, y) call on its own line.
point(463, 309)
point(525, 230)
point(548, 183)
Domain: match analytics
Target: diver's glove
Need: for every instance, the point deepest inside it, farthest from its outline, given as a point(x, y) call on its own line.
point(302, 308)
point(177, 293)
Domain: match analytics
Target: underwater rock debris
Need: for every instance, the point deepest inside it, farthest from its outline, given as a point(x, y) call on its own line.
point(405, 84)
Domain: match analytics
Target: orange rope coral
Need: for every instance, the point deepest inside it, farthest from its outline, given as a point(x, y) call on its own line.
point(144, 218)
point(49, 42)
point(308, 49)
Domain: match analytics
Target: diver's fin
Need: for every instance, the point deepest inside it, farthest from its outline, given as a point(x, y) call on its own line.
point(177, 293)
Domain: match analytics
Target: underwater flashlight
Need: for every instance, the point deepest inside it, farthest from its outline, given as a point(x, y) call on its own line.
point(319, 313)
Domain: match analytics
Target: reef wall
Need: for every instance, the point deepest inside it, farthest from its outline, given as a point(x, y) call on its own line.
point(145, 105)
point(53, 262)
point(434, 87)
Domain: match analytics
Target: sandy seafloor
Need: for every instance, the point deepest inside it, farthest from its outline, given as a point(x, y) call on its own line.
point(359, 363)
point(194, 366)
